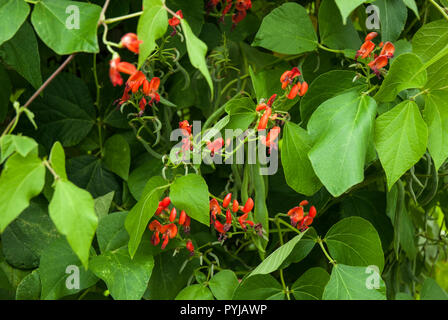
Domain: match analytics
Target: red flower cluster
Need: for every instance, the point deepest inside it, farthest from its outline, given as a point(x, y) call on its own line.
point(269, 140)
point(169, 230)
point(215, 146)
point(267, 108)
point(240, 12)
point(287, 80)
point(379, 61)
point(149, 89)
point(117, 66)
point(216, 210)
point(301, 219)
point(175, 21)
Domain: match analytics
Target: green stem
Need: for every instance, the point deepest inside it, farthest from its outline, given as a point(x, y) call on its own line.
point(328, 49)
point(125, 17)
point(320, 242)
point(442, 10)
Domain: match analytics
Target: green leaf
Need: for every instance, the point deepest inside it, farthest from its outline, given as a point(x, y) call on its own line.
point(21, 180)
point(393, 15)
point(333, 33)
point(111, 233)
point(26, 237)
point(21, 144)
point(436, 118)
point(346, 7)
point(103, 203)
point(73, 212)
point(151, 26)
point(287, 30)
point(12, 14)
point(343, 130)
point(302, 248)
point(354, 241)
point(57, 160)
point(430, 39)
point(5, 93)
point(259, 287)
point(326, 86)
point(370, 205)
point(411, 4)
point(432, 291)
point(299, 173)
point(166, 279)
point(195, 292)
point(400, 139)
point(29, 288)
point(406, 72)
point(241, 113)
point(58, 270)
point(354, 283)
point(275, 259)
point(190, 193)
point(197, 51)
point(117, 156)
point(223, 284)
point(66, 113)
point(126, 278)
point(140, 176)
point(311, 284)
point(88, 172)
point(67, 26)
point(22, 54)
point(138, 218)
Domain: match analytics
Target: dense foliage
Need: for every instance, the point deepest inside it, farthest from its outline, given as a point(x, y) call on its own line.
point(102, 195)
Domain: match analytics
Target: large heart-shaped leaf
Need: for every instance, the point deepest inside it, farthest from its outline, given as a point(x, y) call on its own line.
point(223, 284)
point(190, 193)
point(354, 241)
point(354, 283)
point(259, 287)
point(400, 139)
point(195, 292)
point(393, 15)
point(288, 30)
point(12, 14)
point(311, 284)
point(343, 130)
point(67, 26)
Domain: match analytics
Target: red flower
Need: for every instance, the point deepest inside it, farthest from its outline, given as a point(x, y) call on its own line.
point(165, 202)
point(294, 91)
point(296, 215)
point(182, 217)
point(264, 119)
point(226, 201)
point(219, 227)
point(288, 76)
point(388, 50)
point(379, 63)
point(187, 224)
point(312, 213)
point(371, 36)
point(116, 66)
point(235, 206)
point(237, 17)
point(215, 146)
point(173, 214)
point(226, 9)
point(215, 208)
point(243, 5)
point(168, 232)
point(174, 21)
point(131, 42)
point(135, 81)
point(365, 50)
point(261, 106)
point(228, 223)
point(269, 140)
point(150, 89)
point(271, 100)
point(303, 88)
point(190, 247)
point(184, 125)
point(248, 206)
point(243, 221)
